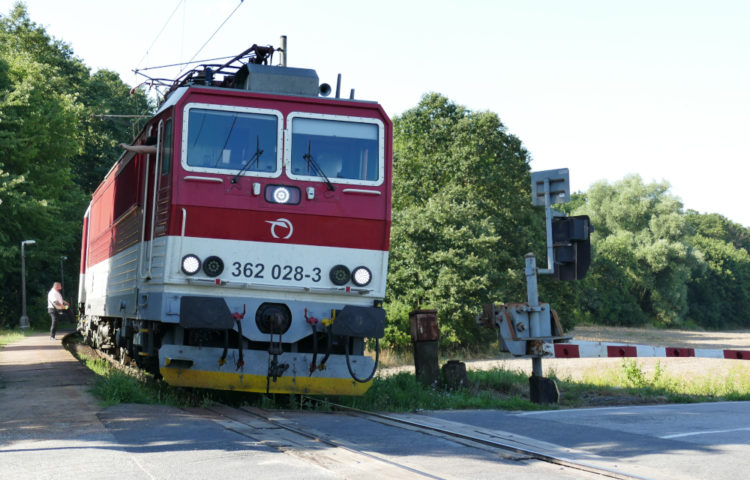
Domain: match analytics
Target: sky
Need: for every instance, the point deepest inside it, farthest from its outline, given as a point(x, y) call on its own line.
point(603, 88)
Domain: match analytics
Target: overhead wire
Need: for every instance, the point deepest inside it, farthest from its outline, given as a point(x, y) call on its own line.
point(180, 2)
point(156, 82)
point(179, 64)
point(213, 34)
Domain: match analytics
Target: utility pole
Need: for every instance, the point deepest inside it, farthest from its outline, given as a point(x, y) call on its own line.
point(62, 275)
point(24, 322)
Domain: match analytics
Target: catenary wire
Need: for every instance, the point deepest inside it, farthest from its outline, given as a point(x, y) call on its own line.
point(179, 64)
point(213, 34)
point(160, 32)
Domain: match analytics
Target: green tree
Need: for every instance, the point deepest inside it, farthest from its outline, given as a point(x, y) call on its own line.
point(38, 139)
point(106, 100)
point(641, 254)
point(713, 225)
point(719, 294)
point(53, 153)
point(23, 35)
point(462, 216)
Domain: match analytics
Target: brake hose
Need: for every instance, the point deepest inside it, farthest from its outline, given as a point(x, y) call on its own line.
point(223, 358)
point(315, 349)
point(241, 360)
point(349, 365)
point(313, 322)
point(238, 318)
point(329, 346)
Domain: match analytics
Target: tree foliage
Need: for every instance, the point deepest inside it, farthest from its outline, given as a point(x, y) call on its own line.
point(642, 260)
point(461, 216)
point(718, 294)
point(655, 264)
point(53, 152)
point(102, 95)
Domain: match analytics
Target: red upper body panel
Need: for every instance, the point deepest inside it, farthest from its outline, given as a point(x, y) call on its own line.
point(139, 199)
point(345, 217)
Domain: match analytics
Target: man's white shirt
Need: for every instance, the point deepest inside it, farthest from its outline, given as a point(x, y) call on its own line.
point(54, 297)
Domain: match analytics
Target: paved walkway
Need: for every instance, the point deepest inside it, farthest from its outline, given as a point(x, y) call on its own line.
point(51, 427)
point(46, 412)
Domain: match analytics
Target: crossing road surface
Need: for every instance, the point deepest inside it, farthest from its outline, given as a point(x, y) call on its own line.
point(51, 427)
point(704, 441)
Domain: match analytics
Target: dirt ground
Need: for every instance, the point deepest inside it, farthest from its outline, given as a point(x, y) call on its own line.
point(582, 368)
point(738, 339)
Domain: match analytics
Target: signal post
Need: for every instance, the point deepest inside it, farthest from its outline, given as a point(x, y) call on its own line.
point(531, 329)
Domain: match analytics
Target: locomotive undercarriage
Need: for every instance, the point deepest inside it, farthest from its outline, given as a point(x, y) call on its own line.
point(127, 340)
point(322, 363)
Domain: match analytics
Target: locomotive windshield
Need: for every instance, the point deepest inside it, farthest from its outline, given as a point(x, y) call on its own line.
point(235, 141)
point(348, 151)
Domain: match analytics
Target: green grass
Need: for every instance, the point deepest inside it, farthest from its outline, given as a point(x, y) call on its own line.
point(10, 336)
point(113, 386)
point(492, 389)
point(499, 389)
point(662, 386)
point(508, 390)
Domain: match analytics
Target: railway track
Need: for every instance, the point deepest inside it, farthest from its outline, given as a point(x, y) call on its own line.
point(348, 458)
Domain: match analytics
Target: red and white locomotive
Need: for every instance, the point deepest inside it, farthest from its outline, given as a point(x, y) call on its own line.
point(249, 249)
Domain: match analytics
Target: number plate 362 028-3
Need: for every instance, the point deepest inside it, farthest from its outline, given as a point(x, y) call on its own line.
point(285, 273)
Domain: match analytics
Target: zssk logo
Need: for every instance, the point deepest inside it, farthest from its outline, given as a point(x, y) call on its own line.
point(278, 228)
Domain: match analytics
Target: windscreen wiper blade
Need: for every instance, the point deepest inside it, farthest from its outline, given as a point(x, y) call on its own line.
point(319, 171)
point(256, 157)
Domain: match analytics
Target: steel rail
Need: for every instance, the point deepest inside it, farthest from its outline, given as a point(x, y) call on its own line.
point(259, 413)
point(535, 454)
point(390, 420)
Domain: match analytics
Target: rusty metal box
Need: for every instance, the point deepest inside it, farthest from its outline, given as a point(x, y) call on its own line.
point(423, 326)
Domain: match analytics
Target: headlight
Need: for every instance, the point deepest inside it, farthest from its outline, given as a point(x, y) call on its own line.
point(281, 195)
point(213, 266)
point(190, 264)
point(339, 275)
point(361, 276)
point(284, 194)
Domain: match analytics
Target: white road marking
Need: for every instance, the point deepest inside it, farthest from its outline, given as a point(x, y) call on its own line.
point(705, 432)
point(631, 408)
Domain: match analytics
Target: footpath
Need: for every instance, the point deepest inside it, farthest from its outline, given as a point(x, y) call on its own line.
point(51, 427)
point(48, 421)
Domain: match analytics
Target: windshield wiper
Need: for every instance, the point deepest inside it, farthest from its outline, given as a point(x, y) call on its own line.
point(256, 157)
point(311, 161)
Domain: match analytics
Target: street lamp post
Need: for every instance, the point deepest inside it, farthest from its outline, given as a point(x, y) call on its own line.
point(62, 275)
point(24, 322)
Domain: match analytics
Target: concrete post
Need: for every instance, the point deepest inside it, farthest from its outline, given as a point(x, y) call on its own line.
point(425, 334)
point(62, 275)
point(24, 321)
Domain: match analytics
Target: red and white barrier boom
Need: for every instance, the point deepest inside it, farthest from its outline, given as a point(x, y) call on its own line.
point(609, 350)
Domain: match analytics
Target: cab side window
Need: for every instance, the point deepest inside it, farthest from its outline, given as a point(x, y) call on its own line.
point(166, 147)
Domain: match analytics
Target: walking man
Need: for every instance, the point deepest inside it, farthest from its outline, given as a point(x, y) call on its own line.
point(55, 306)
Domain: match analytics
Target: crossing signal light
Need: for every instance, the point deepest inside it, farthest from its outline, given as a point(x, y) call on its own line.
point(572, 247)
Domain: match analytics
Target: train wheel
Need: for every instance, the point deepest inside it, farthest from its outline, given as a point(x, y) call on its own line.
point(149, 364)
point(124, 356)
